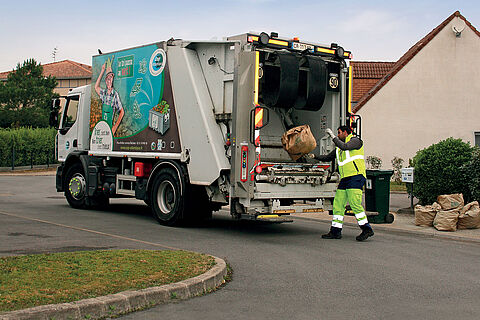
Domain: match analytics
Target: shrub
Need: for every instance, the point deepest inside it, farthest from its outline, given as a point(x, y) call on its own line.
point(397, 165)
point(439, 169)
point(373, 162)
point(471, 174)
point(36, 145)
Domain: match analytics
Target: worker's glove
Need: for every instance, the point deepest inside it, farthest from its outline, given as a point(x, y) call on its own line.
point(330, 133)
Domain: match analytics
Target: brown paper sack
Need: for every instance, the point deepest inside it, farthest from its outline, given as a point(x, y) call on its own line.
point(446, 220)
point(424, 215)
point(469, 217)
point(451, 201)
point(298, 141)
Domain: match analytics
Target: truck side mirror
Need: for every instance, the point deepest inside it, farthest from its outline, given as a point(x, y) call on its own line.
point(53, 121)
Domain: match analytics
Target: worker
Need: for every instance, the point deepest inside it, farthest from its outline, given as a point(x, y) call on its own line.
point(351, 166)
point(111, 102)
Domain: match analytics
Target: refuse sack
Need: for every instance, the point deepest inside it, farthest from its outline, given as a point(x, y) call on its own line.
point(424, 215)
point(469, 217)
point(451, 201)
point(298, 141)
point(446, 220)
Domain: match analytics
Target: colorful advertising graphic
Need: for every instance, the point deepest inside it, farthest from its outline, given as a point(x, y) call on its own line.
point(132, 107)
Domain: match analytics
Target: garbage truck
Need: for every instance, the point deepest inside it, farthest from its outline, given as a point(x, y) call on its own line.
point(191, 126)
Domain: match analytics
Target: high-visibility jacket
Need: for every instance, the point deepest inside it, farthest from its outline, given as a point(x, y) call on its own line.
point(351, 162)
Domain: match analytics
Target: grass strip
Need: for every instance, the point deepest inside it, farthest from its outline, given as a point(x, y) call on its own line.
point(34, 280)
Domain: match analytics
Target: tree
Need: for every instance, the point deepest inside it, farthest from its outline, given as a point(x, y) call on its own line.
point(26, 96)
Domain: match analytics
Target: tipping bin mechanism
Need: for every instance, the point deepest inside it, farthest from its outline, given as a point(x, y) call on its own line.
point(292, 83)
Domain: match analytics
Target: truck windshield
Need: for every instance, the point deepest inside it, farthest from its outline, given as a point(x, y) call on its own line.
point(70, 112)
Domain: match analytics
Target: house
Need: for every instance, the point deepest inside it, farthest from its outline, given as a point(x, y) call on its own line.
point(69, 75)
point(431, 93)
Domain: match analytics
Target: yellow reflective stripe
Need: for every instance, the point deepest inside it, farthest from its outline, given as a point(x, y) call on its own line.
point(278, 42)
point(257, 65)
point(258, 116)
point(326, 50)
point(350, 78)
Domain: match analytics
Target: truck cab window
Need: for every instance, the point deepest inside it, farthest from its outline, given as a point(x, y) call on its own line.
point(70, 113)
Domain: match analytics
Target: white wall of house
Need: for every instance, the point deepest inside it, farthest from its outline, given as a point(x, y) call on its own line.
point(434, 96)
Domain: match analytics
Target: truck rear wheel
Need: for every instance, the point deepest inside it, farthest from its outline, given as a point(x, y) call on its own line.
point(76, 186)
point(167, 199)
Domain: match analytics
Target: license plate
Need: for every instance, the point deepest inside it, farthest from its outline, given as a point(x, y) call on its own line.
point(302, 46)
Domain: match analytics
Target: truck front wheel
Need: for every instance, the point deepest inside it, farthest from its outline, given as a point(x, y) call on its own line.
point(76, 186)
point(167, 199)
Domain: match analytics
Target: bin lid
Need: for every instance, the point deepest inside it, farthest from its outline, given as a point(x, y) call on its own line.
point(376, 173)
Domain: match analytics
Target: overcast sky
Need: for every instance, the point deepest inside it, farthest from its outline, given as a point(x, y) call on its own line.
point(373, 30)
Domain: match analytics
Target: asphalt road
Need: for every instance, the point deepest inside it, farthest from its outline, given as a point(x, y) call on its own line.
point(280, 271)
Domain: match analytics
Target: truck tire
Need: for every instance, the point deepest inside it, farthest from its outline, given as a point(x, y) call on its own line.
point(76, 186)
point(167, 200)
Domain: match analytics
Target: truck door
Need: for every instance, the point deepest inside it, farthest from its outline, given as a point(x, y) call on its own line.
point(67, 138)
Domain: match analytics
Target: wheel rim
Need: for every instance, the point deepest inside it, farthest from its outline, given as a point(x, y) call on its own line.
point(166, 197)
point(77, 186)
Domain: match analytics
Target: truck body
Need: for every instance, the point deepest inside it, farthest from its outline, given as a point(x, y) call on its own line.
point(191, 126)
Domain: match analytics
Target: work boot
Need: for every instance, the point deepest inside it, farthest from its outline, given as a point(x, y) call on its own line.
point(334, 233)
point(367, 231)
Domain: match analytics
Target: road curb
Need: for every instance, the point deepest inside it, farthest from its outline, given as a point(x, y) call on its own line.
point(428, 233)
point(126, 301)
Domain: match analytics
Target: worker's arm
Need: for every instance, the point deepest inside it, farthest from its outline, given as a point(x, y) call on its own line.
point(353, 144)
point(97, 83)
point(327, 157)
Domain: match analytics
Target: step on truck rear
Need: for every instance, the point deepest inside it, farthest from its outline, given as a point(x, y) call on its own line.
point(191, 126)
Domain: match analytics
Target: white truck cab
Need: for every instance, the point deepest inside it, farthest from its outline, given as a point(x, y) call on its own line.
point(73, 131)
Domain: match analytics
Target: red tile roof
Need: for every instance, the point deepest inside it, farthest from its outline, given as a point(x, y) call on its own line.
point(409, 56)
point(366, 74)
point(370, 69)
point(65, 69)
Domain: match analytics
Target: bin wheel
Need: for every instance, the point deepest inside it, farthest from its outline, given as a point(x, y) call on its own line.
point(389, 218)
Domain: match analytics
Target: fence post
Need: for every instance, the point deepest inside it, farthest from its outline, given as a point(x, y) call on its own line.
point(31, 159)
point(13, 155)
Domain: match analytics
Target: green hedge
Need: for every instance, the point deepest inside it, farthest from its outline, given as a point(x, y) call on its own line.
point(440, 169)
point(28, 144)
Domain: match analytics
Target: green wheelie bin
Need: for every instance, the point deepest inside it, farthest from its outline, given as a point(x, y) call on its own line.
point(377, 196)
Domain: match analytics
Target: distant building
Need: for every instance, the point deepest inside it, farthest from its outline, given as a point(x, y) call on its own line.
point(431, 93)
point(69, 75)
